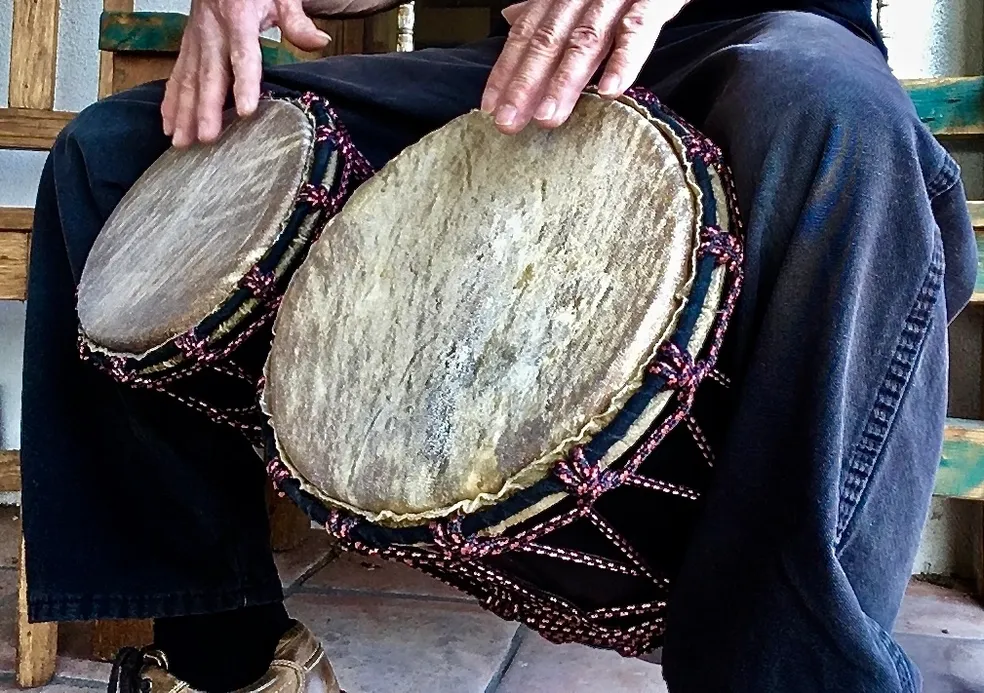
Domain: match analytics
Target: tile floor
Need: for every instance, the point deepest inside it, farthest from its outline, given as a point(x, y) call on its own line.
point(389, 629)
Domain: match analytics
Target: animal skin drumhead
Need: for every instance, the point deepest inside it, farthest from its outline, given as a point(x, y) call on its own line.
point(480, 306)
point(183, 237)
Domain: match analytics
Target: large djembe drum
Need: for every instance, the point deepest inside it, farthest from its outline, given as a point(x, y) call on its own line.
point(179, 290)
point(474, 366)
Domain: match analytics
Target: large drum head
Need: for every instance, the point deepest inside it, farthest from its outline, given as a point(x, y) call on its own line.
point(180, 241)
point(478, 308)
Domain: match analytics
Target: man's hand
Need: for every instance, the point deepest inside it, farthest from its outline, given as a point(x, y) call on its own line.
point(556, 46)
point(221, 48)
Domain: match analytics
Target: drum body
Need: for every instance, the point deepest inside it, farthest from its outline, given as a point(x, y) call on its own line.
point(179, 290)
point(472, 369)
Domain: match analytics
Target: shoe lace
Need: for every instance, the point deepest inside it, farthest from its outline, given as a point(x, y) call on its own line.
point(127, 673)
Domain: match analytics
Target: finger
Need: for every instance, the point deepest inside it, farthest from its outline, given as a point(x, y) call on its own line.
point(186, 85)
point(543, 52)
point(589, 44)
point(213, 84)
point(170, 103)
point(247, 66)
point(514, 12)
point(512, 53)
point(634, 41)
point(298, 28)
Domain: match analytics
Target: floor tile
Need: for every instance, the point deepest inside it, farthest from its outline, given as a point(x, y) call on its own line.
point(948, 664)
point(542, 667)
point(299, 563)
point(8, 582)
point(931, 610)
point(351, 571)
point(9, 536)
point(8, 684)
point(382, 644)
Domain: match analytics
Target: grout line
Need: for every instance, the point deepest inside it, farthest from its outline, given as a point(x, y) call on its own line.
point(309, 572)
point(517, 639)
point(405, 596)
point(78, 682)
point(58, 679)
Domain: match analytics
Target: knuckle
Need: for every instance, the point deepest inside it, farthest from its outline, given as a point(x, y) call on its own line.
point(522, 31)
point(585, 39)
point(238, 55)
point(183, 82)
point(633, 22)
point(546, 40)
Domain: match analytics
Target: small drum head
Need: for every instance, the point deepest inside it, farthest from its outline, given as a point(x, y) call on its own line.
point(480, 307)
point(182, 238)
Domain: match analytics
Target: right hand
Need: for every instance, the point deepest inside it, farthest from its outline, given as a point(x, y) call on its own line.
point(220, 48)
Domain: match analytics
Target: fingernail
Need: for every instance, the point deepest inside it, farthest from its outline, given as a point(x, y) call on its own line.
point(505, 115)
point(608, 85)
point(546, 110)
point(323, 35)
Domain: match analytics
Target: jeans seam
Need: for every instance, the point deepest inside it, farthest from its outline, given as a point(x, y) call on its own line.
point(900, 662)
point(867, 451)
point(945, 178)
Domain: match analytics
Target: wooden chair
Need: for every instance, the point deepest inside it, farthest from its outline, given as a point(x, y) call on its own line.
point(136, 48)
point(141, 46)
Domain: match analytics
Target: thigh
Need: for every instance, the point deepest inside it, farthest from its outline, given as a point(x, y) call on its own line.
point(389, 101)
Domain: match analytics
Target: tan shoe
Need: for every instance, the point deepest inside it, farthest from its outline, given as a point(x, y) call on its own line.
point(299, 666)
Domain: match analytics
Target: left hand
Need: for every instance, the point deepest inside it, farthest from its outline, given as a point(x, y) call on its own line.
point(556, 46)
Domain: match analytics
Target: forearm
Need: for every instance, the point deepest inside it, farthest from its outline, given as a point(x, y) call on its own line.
point(347, 9)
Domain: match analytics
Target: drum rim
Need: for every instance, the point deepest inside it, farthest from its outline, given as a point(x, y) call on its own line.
point(333, 168)
point(388, 528)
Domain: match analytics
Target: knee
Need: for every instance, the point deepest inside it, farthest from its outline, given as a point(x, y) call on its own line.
point(112, 141)
point(806, 83)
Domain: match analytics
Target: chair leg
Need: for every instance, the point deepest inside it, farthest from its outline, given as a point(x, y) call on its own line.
point(37, 643)
point(109, 637)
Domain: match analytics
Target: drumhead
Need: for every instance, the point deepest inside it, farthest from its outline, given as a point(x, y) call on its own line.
point(183, 237)
point(481, 306)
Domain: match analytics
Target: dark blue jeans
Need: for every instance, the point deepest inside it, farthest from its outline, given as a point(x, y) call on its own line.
point(859, 252)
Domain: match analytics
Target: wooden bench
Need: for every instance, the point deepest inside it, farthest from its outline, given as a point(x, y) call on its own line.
point(138, 47)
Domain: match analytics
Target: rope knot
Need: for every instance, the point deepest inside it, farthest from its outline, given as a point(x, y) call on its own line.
point(448, 536)
point(723, 245)
point(192, 346)
point(341, 525)
point(585, 480)
point(308, 98)
point(120, 370)
point(277, 470)
point(318, 196)
point(677, 368)
point(702, 149)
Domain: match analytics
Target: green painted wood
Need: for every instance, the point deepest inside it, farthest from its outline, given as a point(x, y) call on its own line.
point(160, 32)
point(961, 472)
point(949, 106)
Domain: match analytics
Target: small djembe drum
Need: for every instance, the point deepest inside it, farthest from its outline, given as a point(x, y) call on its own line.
point(473, 367)
point(179, 290)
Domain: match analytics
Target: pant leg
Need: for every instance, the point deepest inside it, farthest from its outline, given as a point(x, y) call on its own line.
point(133, 505)
point(858, 251)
